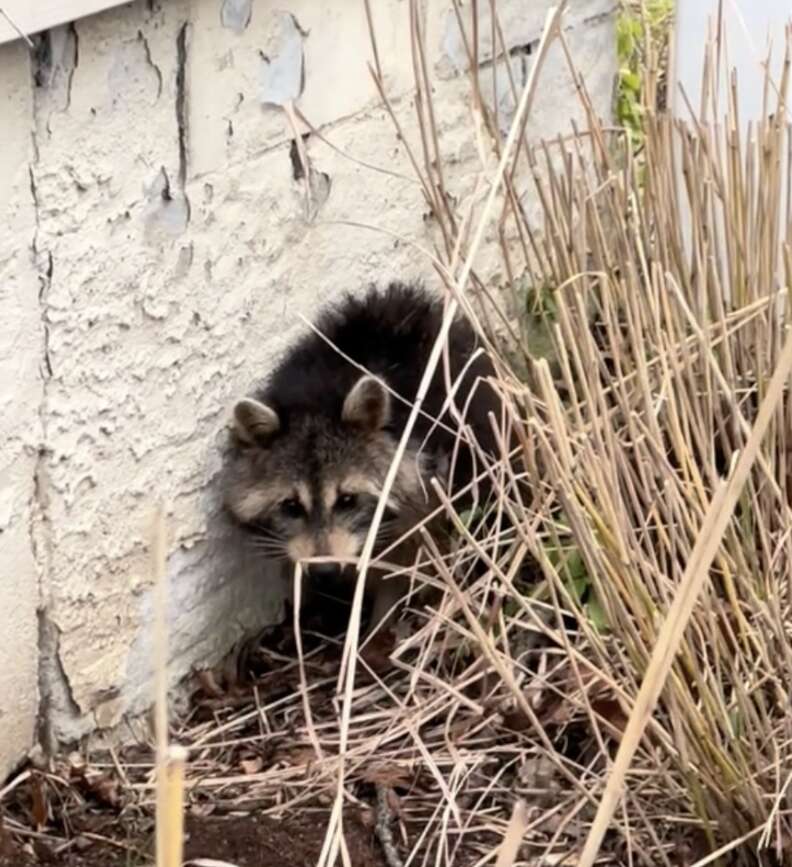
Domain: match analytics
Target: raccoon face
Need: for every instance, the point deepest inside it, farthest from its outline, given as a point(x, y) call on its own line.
point(306, 487)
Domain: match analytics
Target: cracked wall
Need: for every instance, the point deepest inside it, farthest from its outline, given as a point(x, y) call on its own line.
point(169, 223)
point(21, 353)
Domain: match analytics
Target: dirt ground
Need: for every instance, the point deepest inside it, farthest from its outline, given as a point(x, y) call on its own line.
point(247, 841)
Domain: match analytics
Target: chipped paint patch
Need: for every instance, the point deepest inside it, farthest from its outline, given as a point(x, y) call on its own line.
point(235, 14)
point(282, 62)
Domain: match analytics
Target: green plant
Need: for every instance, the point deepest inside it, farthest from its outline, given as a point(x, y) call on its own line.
point(568, 560)
point(642, 33)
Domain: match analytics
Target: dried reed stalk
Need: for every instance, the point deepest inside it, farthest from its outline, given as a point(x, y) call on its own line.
point(170, 760)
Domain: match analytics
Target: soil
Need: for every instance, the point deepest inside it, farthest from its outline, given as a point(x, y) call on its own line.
point(89, 821)
point(241, 841)
point(270, 843)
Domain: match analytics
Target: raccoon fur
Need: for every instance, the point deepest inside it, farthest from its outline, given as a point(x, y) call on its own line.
point(312, 446)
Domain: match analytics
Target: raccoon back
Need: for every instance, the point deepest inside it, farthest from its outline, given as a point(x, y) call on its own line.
point(390, 333)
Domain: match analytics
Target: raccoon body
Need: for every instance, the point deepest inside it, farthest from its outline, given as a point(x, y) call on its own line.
point(313, 444)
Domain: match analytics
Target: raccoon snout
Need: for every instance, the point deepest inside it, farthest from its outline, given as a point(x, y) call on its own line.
point(324, 571)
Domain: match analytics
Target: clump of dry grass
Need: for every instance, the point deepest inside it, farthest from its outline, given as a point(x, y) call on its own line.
point(654, 480)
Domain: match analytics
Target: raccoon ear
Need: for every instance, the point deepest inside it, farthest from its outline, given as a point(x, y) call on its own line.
point(368, 404)
point(254, 422)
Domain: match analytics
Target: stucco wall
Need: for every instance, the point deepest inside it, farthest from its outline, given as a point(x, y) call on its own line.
point(157, 257)
point(21, 392)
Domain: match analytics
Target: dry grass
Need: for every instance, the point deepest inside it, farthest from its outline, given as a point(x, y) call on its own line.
point(652, 490)
point(617, 671)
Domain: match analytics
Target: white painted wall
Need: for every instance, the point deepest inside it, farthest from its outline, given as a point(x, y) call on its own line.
point(753, 41)
point(172, 257)
point(21, 392)
point(751, 28)
point(25, 17)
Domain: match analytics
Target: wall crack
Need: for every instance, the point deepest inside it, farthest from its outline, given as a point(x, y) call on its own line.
point(57, 705)
point(39, 521)
point(182, 118)
point(150, 61)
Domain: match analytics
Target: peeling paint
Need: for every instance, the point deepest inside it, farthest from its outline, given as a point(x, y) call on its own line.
point(167, 213)
point(282, 62)
point(235, 14)
point(132, 63)
point(55, 59)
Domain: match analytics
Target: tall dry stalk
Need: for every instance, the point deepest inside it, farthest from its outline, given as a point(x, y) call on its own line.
point(170, 759)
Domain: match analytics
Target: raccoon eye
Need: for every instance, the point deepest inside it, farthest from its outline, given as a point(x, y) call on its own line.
point(346, 502)
point(292, 508)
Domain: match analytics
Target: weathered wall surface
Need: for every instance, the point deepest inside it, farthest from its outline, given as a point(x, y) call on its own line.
point(21, 354)
point(174, 253)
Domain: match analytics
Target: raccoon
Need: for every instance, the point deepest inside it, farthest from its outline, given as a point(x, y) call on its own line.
point(312, 446)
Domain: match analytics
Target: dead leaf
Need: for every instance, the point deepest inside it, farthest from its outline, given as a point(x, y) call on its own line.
point(106, 790)
point(515, 720)
point(40, 806)
point(394, 803)
point(296, 756)
point(251, 766)
point(389, 775)
point(7, 846)
point(82, 844)
point(611, 711)
point(209, 683)
point(376, 654)
point(103, 787)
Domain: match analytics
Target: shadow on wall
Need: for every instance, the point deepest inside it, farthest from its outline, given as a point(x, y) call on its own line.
point(217, 588)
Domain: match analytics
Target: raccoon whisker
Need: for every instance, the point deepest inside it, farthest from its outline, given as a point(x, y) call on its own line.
point(260, 541)
point(272, 556)
point(276, 544)
point(278, 549)
point(320, 595)
point(385, 534)
point(261, 532)
point(267, 535)
point(270, 547)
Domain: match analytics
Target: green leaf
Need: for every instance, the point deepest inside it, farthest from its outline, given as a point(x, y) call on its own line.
point(577, 587)
point(631, 80)
point(596, 614)
point(576, 566)
point(470, 515)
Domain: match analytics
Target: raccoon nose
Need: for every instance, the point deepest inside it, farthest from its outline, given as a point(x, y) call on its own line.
point(324, 571)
